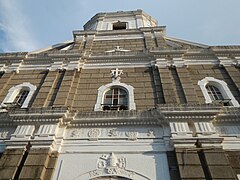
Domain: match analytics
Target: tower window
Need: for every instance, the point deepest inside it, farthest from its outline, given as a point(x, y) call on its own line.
point(119, 25)
point(21, 97)
point(115, 99)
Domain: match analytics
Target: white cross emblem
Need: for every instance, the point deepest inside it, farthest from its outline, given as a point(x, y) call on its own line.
point(116, 74)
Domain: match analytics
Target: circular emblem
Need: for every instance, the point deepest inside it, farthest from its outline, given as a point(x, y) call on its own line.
point(94, 133)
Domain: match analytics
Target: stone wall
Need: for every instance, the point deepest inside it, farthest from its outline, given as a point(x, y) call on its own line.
point(78, 89)
point(127, 44)
point(199, 72)
point(27, 164)
point(9, 80)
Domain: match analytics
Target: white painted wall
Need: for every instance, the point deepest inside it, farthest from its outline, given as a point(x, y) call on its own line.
point(145, 165)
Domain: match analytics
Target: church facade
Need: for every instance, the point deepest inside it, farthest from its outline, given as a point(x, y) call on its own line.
point(122, 100)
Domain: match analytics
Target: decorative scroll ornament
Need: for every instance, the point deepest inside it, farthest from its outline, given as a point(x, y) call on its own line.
point(3, 134)
point(116, 74)
point(117, 49)
point(76, 133)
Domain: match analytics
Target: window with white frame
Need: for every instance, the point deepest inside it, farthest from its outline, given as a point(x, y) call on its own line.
point(115, 96)
point(115, 99)
point(19, 95)
point(216, 91)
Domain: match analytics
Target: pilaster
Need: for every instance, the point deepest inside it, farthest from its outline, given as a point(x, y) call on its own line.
point(65, 89)
point(234, 73)
point(187, 85)
point(167, 86)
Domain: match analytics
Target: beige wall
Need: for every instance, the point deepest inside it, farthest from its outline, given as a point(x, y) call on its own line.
point(78, 89)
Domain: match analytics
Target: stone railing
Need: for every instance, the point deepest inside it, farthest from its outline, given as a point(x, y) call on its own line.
point(106, 114)
point(42, 110)
point(189, 107)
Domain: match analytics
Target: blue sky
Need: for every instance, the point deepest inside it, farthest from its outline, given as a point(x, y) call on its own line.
point(27, 25)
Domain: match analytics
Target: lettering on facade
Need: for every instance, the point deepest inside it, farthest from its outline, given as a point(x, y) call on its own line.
point(112, 132)
point(110, 164)
point(150, 133)
point(132, 134)
point(96, 133)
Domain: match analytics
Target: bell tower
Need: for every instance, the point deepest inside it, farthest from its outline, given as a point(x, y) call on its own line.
point(120, 20)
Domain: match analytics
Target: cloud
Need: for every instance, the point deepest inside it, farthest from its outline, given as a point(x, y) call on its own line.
point(14, 28)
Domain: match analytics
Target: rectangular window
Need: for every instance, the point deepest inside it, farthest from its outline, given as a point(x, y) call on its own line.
point(119, 25)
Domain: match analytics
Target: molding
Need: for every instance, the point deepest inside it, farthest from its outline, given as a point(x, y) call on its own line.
point(14, 67)
point(63, 44)
point(24, 132)
point(46, 130)
point(187, 42)
point(118, 37)
point(180, 129)
point(204, 128)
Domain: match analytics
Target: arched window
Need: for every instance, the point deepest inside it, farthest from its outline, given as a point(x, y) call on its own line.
point(115, 96)
point(216, 91)
point(115, 99)
point(19, 95)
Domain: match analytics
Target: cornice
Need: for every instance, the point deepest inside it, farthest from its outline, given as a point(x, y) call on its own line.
point(228, 114)
point(119, 33)
point(13, 56)
point(119, 55)
point(123, 59)
point(158, 115)
point(32, 116)
point(162, 58)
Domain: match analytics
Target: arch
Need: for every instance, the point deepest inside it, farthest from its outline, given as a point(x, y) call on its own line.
point(13, 92)
point(116, 84)
point(218, 85)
